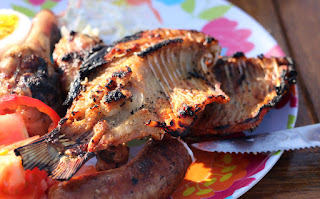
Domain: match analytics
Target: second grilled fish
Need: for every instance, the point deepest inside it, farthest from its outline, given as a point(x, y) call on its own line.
point(254, 85)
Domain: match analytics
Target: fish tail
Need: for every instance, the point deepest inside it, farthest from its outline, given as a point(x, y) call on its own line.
point(46, 154)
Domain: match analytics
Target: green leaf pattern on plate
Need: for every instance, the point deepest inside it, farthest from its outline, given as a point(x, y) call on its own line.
point(24, 10)
point(27, 8)
point(277, 153)
point(214, 12)
point(189, 191)
point(226, 177)
point(203, 192)
point(48, 5)
point(188, 6)
point(291, 121)
point(210, 181)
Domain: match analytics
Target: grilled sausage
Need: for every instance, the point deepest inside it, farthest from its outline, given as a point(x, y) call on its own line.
point(154, 173)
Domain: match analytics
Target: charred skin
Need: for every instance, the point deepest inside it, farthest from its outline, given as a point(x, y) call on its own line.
point(154, 173)
point(27, 70)
point(69, 54)
point(146, 85)
point(254, 85)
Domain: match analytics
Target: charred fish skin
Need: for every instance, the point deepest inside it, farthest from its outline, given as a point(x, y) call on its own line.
point(146, 85)
point(69, 54)
point(93, 61)
point(254, 85)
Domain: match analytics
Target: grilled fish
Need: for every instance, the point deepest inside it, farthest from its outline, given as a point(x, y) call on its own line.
point(27, 70)
point(254, 86)
point(147, 84)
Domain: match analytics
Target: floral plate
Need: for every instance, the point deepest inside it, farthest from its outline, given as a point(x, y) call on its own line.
point(213, 175)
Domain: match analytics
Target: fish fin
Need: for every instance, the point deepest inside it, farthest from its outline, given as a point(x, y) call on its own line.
point(45, 155)
point(68, 166)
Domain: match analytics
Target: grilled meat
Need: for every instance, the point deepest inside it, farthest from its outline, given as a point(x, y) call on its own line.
point(144, 85)
point(26, 70)
point(154, 173)
point(69, 54)
point(254, 86)
point(112, 157)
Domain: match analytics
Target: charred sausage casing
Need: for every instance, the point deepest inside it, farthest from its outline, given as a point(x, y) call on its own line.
point(154, 173)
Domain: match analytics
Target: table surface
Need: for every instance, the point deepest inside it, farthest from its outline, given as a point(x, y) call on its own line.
point(295, 24)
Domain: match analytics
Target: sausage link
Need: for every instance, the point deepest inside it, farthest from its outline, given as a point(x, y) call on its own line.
point(154, 173)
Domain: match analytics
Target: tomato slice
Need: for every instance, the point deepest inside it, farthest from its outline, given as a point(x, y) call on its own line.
point(12, 102)
point(12, 128)
point(15, 182)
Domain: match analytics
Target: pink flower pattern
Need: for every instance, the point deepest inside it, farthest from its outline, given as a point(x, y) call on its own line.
point(276, 51)
point(229, 37)
point(36, 2)
point(39, 2)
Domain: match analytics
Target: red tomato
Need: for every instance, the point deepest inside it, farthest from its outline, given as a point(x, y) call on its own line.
point(12, 128)
point(12, 102)
point(15, 182)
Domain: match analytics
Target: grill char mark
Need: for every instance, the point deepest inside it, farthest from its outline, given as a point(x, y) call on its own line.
point(94, 60)
point(38, 81)
point(157, 46)
point(133, 37)
point(114, 96)
point(209, 39)
point(122, 73)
